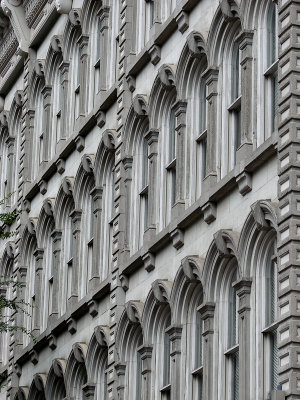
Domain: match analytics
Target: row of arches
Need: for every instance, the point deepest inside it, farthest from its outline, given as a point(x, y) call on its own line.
point(217, 311)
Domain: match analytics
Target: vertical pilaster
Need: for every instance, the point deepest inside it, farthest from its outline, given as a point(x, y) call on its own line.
point(84, 73)
point(10, 142)
point(207, 314)
point(243, 291)
point(289, 199)
point(152, 139)
point(127, 162)
point(65, 106)
point(38, 295)
point(104, 25)
point(47, 140)
point(180, 114)
point(146, 356)
point(245, 44)
point(96, 193)
point(211, 79)
point(76, 220)
point(56, 237)
point(175, 333)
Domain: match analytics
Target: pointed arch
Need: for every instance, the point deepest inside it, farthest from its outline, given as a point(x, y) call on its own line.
point(37, 387)
point(55, 384)
point(76, 373)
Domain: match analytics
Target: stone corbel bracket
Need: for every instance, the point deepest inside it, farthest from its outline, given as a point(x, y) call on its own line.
point(140, 105)
point(15, 11)
point(162, 290)
point(63, 6)
point(226, 242)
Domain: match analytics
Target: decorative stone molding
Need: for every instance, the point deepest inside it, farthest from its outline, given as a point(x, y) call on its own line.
point(63, 6)
point(209, 211)
point(72, 326)
point(26, 205)
point(149, 261)
point(39, 67)
point(52, 341)
point(124, 282)
point(229, 9)
point(100, 118)
point(16, 15)
point(88, 163)
point(10, 250)
point(93, 308)
point(162, 290)
point(80, 351)
point(4, 119)
point(89, 390)
point(177, 238)
point(67, 185)
point(75, 17)
point(18, 97)
point(140, 105)
point(31, 225)
point(48, 206)
point(17, 369)
point(192, 267)
point(22, 393)
point(79, 143)
point(155, 54)
point(40, 381)
point(134, 311)
point(263, 215)
point(166, 75)
point(196, 44)
point(102, 334)
point(244, 181)
point(56, 43)
point(61, 166)
point(226, 242)
point(131, 82)
point(59, 367)
point(43, 186)
point(34, 356)
point(182, 20)
point(108, 139)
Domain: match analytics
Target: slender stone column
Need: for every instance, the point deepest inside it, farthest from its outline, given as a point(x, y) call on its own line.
point(47, 140)
point(65, 106)
point(207, 314)
point(38, 292)
point(120, 370)
point(56, 236)
point(30, 156)
point(84, 72)
point(127, 162)
point(96, 194)
point(245, 44)
point(152, 139)
point(76, 219)
point(146, 356)
point(243, 290)
point(211, 78)
point(180, 113)
point(175, 332)
point(10, 142)
point(104, 25)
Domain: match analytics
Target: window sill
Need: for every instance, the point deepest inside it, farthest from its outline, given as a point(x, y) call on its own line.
point(166, 388)
point(171, 165)
point(232, 350)
point(236, 104)
point(271, 69)
point(144, 191)
point(271, 328)
point(202, 136)
point(198, 371)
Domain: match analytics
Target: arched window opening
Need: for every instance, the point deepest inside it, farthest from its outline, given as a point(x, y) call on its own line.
point(144, 189)
point(77, 68)
point(270, 324)
point(235, 106)
point(271, 72)
point(201, 137)
point(232, 351)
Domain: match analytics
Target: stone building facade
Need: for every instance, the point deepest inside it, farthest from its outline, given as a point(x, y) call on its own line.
point(154, 150)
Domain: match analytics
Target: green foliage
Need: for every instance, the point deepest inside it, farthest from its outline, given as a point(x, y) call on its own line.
point(7, 219)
